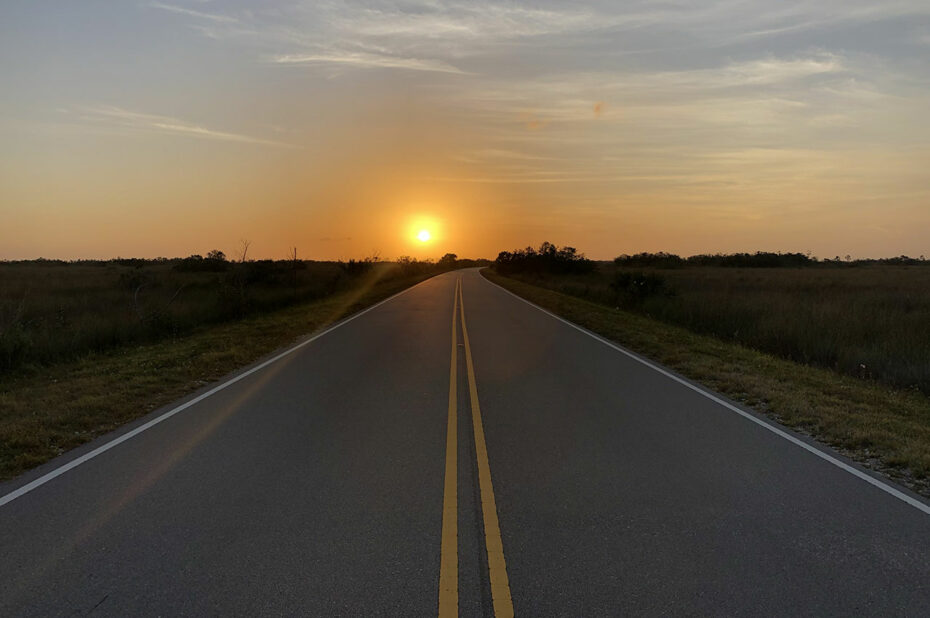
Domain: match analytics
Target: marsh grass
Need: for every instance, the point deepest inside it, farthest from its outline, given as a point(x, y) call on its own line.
point(54, 311)
point(869, 322)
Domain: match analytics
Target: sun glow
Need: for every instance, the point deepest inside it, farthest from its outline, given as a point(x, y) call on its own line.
point(423, 234)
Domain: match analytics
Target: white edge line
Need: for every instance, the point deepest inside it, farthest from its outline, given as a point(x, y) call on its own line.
point(74, 463)
point(917, 504)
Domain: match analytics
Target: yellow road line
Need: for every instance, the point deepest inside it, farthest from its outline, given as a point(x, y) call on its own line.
point(449, 552)
point(497, 566)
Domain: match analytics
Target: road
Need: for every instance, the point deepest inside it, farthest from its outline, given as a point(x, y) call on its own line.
point(400, 465)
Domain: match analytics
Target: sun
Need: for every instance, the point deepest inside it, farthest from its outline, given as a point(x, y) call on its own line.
point(423, 231)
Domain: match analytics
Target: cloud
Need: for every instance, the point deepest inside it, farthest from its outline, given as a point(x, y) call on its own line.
point(171, 8)
point(777, 70)
point(529, 178)
point(424, 36)
point(761, 99)
point(118, 117)
point(472, 21)
point(367, 60)
point(443, 31)
point(500, 153)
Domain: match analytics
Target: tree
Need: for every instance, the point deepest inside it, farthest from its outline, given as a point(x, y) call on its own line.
point(548, 258)
point(292, 256)
point(240, 276)
point(217, 255)
point(448, 260)
point(244, 249)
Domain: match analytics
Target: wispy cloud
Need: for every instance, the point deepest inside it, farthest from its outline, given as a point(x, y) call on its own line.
point(423, 36)
point(117, 117)
point(171, 8)
point(473, 21)
point(512, 155)
point(367, 60)
point(434, 35)
point(750, 93)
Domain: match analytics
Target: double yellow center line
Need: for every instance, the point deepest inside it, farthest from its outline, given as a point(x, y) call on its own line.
point(448, 561)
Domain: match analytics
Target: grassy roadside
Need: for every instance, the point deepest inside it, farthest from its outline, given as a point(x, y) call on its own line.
point(45, 412)
point(887, 430)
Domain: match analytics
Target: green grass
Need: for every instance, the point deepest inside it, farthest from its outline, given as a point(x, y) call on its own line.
point(46, 410)
point(885, 428)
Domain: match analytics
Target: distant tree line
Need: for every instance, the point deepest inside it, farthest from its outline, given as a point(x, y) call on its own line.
point(548, 258)
point(759, 259)
point(217, 261)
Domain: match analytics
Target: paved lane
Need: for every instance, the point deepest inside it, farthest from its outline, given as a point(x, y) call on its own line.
point(316, 486)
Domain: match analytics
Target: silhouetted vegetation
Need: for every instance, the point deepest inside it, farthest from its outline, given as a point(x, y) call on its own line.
point(356, 268)
point(759, 259)
point(650, 260)
point(547, 259)
point(215, 262)
point(464, 263)
point(866, 318)
point(412, 266)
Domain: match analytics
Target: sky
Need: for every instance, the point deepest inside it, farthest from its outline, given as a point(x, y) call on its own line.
point(151, 129)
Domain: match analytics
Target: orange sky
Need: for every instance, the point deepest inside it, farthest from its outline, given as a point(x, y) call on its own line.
point(169, 129)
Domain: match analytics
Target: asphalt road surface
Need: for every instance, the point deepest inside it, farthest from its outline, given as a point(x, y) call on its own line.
point(400, 465)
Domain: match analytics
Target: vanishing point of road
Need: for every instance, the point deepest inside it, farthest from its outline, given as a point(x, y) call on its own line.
point(456, 450)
